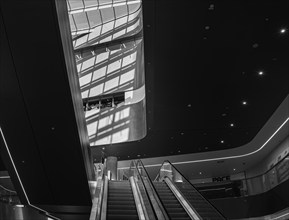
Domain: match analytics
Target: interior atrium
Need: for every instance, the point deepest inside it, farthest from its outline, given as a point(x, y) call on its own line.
point(144, 109)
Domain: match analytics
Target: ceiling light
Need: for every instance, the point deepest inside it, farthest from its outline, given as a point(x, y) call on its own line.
point(200, 173)
point(232, 125)
point(234, 169)
point(261, 73)
point(244, 103)
point(283, 30)
point(222, 141)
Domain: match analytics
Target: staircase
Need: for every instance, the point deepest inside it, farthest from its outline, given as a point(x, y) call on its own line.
point(170, 202)
point(204, 209)
point(120, 201)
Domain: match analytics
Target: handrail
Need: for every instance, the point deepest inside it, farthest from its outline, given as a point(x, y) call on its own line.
point(287, 156)
point(182, 200)
point(167, 161)
point(8, 190)
point(132, 167)
point(104, 199)
point(142, 215)
point(102, 194)
point(163, 211)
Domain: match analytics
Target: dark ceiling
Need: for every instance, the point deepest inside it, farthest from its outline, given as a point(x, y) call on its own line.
point(215, 73)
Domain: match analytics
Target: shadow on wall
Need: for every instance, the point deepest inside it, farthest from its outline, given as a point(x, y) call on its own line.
point(109, 125)
point(107, 71)
point(111, 71)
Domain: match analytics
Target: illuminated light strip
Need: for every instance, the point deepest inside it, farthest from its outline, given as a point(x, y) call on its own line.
point(222, 158)
point(76, 11)
point(7, 148)
point(14, 165)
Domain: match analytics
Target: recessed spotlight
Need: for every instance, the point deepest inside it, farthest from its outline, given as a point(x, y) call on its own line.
point(260, 73)
point(200, 173)
point(182, 133)
point(255, 45)
point(232, 125)
point(283, 30)
point(222, 141)
point(244, 103)
point(189, 105)
point(234, 169)
point(103, 148)
point(211, 7)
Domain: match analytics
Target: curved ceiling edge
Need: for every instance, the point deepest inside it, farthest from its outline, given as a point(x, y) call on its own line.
point(277, 122)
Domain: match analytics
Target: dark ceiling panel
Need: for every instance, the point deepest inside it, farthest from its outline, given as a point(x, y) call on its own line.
point(202, 63)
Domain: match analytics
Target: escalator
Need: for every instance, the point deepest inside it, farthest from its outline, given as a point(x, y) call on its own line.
point(120, 202)
point(169, 196)
point(200, 205)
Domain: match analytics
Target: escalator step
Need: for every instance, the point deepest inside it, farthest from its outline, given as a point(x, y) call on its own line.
point(121, 212)
point(121, 217)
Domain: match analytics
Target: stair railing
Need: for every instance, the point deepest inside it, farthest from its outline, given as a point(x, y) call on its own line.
point(168, 170)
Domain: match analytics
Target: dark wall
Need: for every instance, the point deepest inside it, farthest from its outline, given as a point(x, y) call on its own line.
point(2, 166)
point(37, 108)
point(254, 206)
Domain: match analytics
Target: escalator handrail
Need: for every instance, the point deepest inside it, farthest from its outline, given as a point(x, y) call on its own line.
point(101, 194)
point(156, 195)
point(142, 182)
point(167, 161)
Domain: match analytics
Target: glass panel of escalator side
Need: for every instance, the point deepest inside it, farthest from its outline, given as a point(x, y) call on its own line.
point(202, 206)
point(171, 203)
point(120, 202)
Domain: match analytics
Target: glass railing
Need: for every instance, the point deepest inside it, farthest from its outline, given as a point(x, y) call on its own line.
point(200, 204)
point(248, 186)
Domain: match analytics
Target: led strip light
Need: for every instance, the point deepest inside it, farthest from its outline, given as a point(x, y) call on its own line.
point(223, 158)
point(7, 148)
